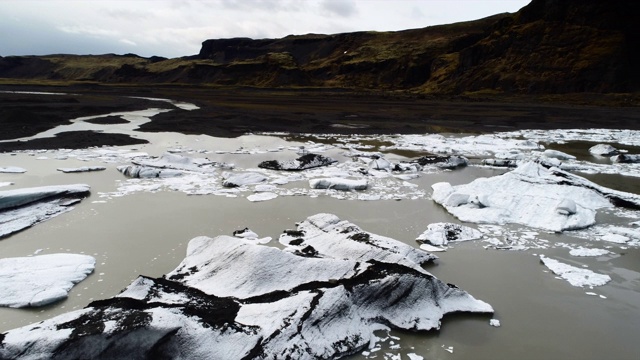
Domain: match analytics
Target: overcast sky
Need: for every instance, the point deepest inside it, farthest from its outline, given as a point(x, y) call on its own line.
point(173, 28)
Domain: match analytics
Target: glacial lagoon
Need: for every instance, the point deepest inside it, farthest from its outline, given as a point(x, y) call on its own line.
point(141, 226)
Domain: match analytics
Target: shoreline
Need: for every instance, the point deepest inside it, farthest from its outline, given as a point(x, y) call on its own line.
point(232, 112)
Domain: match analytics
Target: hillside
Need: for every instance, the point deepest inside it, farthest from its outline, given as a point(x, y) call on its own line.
point(548, 47)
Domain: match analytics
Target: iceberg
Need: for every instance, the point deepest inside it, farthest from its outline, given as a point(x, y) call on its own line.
point(626, 158)
point(23, 208)
point(442, 233)
point(242, 179)
point(576, 276)
point(338, 184)
point(603, 150)
point(233, 299)
point(82, 169)
point(443, 162)
point(41, 280)
point(12, 170)
point(304, 162)
point(534, 194)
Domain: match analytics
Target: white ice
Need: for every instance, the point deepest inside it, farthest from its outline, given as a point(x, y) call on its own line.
point(531, 195)
point(576, 276)
point(41, 280)
point(441, 233)
point(12, 170)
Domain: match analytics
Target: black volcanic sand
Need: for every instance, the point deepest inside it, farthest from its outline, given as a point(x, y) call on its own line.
point(231, 112)
point(71, 140)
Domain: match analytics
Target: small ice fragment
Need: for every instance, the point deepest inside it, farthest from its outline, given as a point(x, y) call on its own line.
point(494, 322)
point(590, 293)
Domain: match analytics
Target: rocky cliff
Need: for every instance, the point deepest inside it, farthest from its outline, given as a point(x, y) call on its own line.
point(548, 47)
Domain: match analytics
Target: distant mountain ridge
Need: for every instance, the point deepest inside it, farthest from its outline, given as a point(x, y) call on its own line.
point(548, 47)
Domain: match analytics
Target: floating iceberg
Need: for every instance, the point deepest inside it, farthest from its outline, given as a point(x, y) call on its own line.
point(308, 161)
point(82, 169)
point(12, 170)
point(338, 184)
point(626, 158)
point(41, 280)
point(233, 299)
point(574, 275)
point(442, 233)
point(242, 179)
point(22, 208)
point(534, 194)
point(443, 162)
point(603, 150)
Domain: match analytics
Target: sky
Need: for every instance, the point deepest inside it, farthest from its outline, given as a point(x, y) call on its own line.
point(174, 28)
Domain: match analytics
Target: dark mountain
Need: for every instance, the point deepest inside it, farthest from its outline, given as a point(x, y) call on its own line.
point(548, 47)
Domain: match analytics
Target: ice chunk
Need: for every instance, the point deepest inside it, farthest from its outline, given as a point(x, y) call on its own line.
point(242, 179)
point(82, 169)
point(444, 162)
point(308, 161)
point(588, 252)
point(533, 194)
point(494, 322)
point(41, 280)
point(555, 154)
point(232, 299)
point(626, 158)
point(338, 184)
point(576, 276)
point(262, 196)
point(12, 170)
point(443, 233)
point(603, 150)
point(22, 208)
point(144, 172)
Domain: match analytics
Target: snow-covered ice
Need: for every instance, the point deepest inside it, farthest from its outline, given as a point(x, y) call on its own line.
point(603, 150)
point(533, 194)
point(232, 299)
point(576, 276)
point(338, 184)
point(442, 233)
point(42, 279)
point(82, 169)
point(308, 161)
point(22, 208)
point(588, 252)
point(12, 170)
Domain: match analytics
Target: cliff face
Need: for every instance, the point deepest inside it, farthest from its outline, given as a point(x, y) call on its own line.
point(549, 46)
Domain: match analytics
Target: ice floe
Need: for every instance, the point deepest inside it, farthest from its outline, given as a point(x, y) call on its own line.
point(308, 161)
point(242, 179)
point(588, 252)
point(12, 170)
point(534, 194)
point(603, 150)
point(338, 184)
point(262, 196)
point(41, 280)
point(23, 208)
point(82, 169)
point(443, 233)
point(576, 276)
point(233, 299)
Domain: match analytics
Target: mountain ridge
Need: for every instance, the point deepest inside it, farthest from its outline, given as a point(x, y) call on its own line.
point(548, 47)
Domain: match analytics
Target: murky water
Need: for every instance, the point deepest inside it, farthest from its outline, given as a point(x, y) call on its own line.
point(542, 317)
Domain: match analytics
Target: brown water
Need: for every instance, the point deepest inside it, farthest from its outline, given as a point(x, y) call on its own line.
point(542, 317)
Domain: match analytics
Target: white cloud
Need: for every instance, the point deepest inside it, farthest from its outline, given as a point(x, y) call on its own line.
point(175, 28)
point(87, 30)
point(343, 8)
